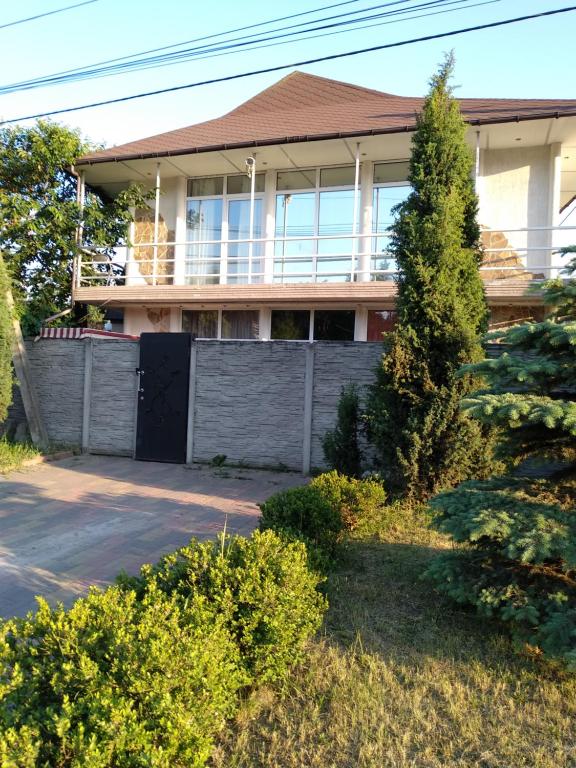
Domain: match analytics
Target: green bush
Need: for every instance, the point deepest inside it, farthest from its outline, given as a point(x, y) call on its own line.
point(305, 513)
point(116, 681)
point(341, 445)
point(353, 499)
point(262, 588)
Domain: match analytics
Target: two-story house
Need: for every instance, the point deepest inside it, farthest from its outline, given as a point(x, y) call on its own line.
point(271, 221)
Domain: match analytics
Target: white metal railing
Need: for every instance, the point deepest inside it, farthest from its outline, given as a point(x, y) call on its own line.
point(534, 251)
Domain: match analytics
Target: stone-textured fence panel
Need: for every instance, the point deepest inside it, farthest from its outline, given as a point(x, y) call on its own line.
point(260, 403)
point(249, 402)
point(57, 369)
point(112, 412)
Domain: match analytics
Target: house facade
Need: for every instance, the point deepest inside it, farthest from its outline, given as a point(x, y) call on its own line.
point(271, 222)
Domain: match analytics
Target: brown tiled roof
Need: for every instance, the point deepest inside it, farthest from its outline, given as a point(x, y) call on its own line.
point(302, 107)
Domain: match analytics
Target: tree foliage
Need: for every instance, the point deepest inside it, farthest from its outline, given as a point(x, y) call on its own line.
point(341, 445)
point(6, 341)
point(422, 440)
point(39, 216)
point(520, 532)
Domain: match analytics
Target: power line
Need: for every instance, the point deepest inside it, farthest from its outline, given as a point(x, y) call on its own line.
point(332, 57)
point(230, 44)
point(47, 13)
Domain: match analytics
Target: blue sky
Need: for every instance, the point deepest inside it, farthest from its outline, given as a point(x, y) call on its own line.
point(533, 59)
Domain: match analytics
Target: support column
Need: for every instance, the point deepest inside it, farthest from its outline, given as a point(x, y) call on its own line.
point(88, 356)
point(269, 225)
point(191, 402)
point(308, 396)
point(554, 206)
point(156, 225)
point(366, 186)
point(180, 232)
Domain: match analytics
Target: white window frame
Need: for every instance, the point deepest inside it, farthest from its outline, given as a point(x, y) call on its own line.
point(220, 311)
point(224, 230)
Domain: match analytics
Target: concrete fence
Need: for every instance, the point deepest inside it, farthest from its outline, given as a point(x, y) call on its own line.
point(260, 403)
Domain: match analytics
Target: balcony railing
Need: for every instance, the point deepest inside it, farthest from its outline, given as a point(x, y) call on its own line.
point(530, 253)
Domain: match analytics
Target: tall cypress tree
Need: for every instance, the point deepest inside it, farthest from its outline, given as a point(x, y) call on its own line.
point(422, 440)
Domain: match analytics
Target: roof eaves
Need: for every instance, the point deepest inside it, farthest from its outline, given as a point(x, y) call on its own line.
point(314, 137)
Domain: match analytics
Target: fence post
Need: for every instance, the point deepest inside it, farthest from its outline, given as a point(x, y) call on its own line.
point(308, 394)
point(88, 353)
point(191, 401)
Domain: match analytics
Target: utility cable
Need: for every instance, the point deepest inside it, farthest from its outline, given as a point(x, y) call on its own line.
point(47, 13)
point(332, 57)
point(186, 54)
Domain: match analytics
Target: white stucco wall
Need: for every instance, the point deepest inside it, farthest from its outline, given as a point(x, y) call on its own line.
point(516, 190)
point(139, 320)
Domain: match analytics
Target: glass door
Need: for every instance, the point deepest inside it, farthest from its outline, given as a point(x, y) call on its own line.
point(203, 222)
point(244, 260)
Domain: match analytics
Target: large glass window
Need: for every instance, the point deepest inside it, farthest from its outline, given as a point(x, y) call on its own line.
point(334, 325)
point(390, 188)
point(240, 324)
point(218, 208)
point(203, 223)
point(306, 207)
point(380, 322)
point(203, 324)
point(291, 324)
point(221, 323)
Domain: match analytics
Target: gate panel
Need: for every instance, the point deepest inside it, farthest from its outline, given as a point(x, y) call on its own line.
point(164, 374)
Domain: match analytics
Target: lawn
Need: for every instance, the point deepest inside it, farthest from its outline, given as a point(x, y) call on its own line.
point(13, 455)
point(402, 678)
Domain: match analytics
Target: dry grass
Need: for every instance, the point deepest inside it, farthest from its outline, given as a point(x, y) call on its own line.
point(401, 678)
point(13, 455)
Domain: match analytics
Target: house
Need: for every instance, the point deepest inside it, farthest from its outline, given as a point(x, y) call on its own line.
point(271, 221)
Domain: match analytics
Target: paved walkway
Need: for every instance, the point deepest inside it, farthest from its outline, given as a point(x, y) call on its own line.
point(77, 522)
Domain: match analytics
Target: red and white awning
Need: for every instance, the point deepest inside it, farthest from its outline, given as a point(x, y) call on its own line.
point(82, 333)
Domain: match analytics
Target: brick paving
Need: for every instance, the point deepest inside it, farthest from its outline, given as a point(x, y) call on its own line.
point(78, 522)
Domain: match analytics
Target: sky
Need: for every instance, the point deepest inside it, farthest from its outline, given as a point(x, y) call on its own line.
point(532, 59)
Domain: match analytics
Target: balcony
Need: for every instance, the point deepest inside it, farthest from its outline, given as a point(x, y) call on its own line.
point(323, 267)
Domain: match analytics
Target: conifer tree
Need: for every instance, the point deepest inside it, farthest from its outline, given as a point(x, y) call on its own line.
point(422, 440)
point(520, 529)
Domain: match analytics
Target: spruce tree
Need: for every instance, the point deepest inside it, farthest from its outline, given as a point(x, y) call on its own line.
point(519, 529)
point(422, 440)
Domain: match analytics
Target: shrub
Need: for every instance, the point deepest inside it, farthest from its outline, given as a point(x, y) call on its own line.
point(116, 681)
point(261, 587)
point(354, 499)
point(341, 445)
point(305, 513)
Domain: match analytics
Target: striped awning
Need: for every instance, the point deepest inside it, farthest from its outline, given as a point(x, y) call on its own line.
point(82, 333)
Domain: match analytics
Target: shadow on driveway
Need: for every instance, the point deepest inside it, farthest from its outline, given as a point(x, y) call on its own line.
point(78, 522)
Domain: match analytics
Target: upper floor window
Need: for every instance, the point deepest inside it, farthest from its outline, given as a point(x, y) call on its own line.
point(391, 187)
point(314, 223)
point(218, 208)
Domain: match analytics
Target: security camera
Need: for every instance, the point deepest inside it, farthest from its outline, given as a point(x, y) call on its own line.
point(250, 165)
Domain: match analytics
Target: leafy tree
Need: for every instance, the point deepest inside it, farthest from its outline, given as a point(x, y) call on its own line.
point(422, 440)
point(39, 216)
point(520, 560)
point(6, 340)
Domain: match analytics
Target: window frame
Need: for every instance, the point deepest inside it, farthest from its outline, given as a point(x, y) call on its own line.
point(220, 312)
point(225, 197)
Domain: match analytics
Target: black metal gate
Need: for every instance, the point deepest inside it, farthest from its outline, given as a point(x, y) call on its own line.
point(164, 374)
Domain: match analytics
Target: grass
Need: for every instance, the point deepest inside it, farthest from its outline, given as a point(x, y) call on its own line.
point(13, 455)
point(401, 678)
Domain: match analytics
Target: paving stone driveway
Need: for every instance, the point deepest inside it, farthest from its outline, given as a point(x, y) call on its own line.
point(77, 522)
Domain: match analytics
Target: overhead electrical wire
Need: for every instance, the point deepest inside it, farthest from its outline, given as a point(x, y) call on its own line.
point(331, 57)
point(46, 13)
point(232, 44)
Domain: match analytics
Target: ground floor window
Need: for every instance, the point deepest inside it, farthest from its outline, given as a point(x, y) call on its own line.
point(380, 321)
point(222, 323)
point(313, 325)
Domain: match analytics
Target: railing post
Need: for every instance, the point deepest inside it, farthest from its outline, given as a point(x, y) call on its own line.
point(308, 414)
